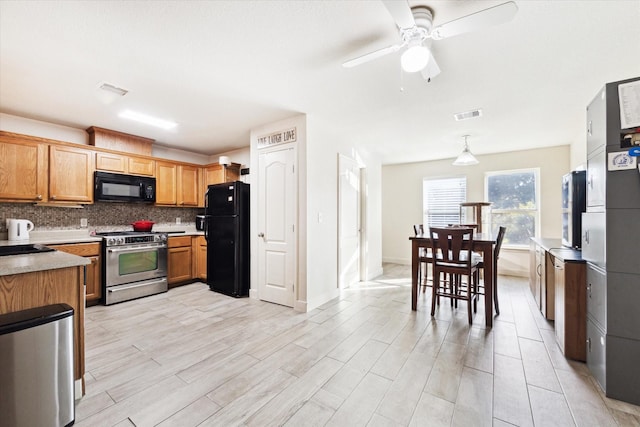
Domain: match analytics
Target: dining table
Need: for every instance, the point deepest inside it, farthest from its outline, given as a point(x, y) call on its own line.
point(483, 243)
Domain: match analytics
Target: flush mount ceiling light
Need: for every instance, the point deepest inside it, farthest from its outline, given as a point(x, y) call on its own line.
point(466, 158)
point(415, 58)
point(149, 120)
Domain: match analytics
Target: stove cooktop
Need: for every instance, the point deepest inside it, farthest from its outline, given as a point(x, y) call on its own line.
point(128, 233)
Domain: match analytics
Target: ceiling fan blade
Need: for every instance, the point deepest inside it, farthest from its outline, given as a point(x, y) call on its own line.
point(485, 18)
point(401, 13)
point(372, 55)
point(431, 70)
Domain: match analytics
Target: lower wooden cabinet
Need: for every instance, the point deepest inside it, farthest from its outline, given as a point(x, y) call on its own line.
point(93, 277)
point(187, 260)
point(571, 308)
point(200, 258)
point(179, 263)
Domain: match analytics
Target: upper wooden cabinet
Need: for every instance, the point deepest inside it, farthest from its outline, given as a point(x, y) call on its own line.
point(119, 163)
point(118, 141)
point(23, 170)
point(70, 174)
point(176, 184)
point(215, 173)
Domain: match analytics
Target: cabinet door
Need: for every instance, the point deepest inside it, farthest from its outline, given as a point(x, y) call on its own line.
point(597, 122)
point(111, 162)
point(93, 277)
point(188, 185)
point(70, 174)
point(179, 264)
point(597, 295)
point(593, 238)
point(166, 183)
point(560, 304)
point(596, 175)
point(200, 257)
point(23, 171)
point(141, 166)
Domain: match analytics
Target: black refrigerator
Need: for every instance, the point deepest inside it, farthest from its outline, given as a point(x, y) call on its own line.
point(227, 233)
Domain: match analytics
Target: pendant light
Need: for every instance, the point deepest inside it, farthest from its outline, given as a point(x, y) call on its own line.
point(466, 158)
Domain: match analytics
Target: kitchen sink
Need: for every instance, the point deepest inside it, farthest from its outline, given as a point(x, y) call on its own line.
point(23, 249)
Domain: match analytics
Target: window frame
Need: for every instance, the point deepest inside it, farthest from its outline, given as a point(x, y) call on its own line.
point(440, 178)
point(537, 211)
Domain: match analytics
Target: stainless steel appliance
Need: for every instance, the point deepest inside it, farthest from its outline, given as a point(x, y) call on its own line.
point(574, 203)
point(116, 187)
point(134, 265)
point(227, 233)
point(36, 367)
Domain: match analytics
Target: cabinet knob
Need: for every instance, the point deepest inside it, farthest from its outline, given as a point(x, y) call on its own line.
point(53, 197)
point(39, 197)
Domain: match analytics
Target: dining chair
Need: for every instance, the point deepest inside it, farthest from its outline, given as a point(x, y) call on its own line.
point(449, 257)
point(496, 255)
point(424, 257)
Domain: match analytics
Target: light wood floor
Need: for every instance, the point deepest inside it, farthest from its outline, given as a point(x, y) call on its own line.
point(192, 357)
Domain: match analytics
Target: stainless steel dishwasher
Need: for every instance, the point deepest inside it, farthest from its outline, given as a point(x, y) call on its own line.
point(36, 367)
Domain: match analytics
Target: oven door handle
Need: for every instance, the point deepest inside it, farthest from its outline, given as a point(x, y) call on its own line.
point(135, 285)
point(137, 248)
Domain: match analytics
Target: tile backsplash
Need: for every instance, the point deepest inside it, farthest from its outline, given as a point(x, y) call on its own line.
point(100, 216)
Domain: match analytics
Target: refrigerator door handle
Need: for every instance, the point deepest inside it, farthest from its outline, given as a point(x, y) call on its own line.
point(206, 212)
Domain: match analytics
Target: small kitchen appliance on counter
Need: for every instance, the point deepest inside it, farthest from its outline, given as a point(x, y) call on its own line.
point(134, 265)
point(19, 228)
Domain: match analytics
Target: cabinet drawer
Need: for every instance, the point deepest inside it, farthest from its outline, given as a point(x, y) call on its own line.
point(175, 242)
point(596, 352)
point(80, 249)
point(597, 295)
point(593, 238)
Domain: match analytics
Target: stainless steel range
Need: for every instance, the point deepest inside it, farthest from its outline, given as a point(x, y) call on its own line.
point(134, 265)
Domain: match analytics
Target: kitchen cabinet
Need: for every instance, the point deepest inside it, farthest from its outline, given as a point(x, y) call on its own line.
point(70, 174)
point(216, 174)
point(179, 262)
point(541, 275)
point(610, 246)
point(121, 163)
point(199, 244)
point(24, 169)
point(93, 277)
point(176, 184)
point(118, 141)
point(570, 304)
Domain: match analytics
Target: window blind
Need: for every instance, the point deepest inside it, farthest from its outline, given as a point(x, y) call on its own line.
point(441, 200)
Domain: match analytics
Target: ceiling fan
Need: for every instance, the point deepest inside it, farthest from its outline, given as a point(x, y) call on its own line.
point(415, 25)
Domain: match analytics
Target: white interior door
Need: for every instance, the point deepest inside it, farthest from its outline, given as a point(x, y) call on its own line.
point(276, 226)
point(348, 222)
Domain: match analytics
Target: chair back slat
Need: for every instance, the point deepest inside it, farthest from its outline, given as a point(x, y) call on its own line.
point(499, 239)
point(448, 245)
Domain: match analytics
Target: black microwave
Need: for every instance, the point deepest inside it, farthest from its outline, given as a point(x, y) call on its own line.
point(115, 187)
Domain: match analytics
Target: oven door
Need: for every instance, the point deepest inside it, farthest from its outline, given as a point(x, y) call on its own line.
point(126, 264)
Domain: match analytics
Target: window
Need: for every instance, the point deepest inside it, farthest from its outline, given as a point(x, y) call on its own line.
point(441, 200)
point(514, 203)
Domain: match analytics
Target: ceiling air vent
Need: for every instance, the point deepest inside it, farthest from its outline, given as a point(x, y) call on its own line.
point(468, 115)
point(113, 89)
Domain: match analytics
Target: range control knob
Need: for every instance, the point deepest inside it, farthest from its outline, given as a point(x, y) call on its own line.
point(111, 241)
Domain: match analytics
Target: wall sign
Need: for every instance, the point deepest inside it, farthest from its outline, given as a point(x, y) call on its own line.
point(621, 161)
point(276, 138)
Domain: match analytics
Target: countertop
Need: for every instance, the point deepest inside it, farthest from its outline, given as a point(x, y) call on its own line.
point(18, 264)
point(555, 248)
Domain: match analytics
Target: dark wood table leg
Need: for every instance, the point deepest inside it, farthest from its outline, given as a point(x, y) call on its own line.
point(414, 273)
point(488, 284)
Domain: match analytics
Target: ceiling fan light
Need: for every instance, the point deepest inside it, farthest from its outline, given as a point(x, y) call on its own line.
point(415, 58)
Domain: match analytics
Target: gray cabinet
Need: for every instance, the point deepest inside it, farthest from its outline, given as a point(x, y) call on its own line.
point(610, 245)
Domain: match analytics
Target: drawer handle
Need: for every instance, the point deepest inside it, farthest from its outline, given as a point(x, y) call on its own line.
point(589, 289)
point(589, 344)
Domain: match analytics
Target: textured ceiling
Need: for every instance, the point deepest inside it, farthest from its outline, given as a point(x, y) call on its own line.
point(221, 68)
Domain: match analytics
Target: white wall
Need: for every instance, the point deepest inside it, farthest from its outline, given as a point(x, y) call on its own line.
point(242, 156)
point(317, 152)
point(402, 198)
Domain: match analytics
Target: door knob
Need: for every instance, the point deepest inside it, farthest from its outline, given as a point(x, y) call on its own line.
point(261, 235)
